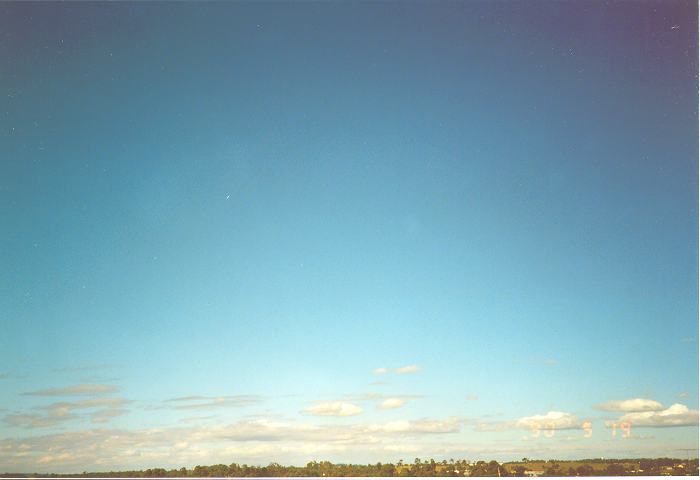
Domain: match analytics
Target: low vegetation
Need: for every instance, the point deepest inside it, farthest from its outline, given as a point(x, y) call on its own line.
point(419, 468)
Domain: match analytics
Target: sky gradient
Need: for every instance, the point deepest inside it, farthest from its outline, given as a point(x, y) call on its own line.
point(237, 232)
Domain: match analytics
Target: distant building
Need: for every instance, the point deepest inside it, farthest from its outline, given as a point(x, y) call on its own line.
point(534, 473)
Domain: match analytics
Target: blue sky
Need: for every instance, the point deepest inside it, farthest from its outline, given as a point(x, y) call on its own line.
point(253, 207)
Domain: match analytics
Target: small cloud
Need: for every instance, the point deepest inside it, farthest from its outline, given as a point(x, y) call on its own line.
point(390, 403)
point(334, 409)
point(472, 397)
point(373, 396)
point(683, 395)
point(188, 398)
point(4, 376)
point(539, 361)
point(85, 389)
point(203, 402)
point(196, 419)
point(493, 426)
point(408, 369)
point(677, 415)
point(688, 339)
point(380, 371)
point(450, 425)
point(89, 403)
point(379, 383)
point(631, 405)
point(105, 415)
point(86, 368)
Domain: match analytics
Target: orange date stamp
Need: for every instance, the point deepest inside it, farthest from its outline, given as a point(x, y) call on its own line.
point(548, 429)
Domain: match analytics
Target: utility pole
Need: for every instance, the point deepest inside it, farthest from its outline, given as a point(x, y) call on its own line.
point(687, 461)
point(687, 451)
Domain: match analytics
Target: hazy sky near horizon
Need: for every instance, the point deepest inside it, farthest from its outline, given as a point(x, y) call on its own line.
point(237, 232)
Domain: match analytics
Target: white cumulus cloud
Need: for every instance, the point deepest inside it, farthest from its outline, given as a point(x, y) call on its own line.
point(390, 403)
point(334, 409)
point(551, 420)
point(631, 405)
point(677, 415)
point(408, 369)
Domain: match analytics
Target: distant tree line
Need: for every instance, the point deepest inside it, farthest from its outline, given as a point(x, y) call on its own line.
point(418, 468)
